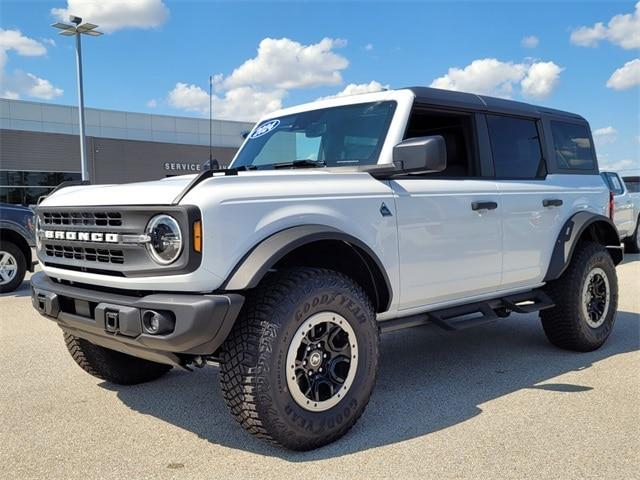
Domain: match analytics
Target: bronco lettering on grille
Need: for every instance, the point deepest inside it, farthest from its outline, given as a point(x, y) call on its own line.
point(81, 236)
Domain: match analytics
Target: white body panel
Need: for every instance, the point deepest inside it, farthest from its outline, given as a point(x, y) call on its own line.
point(530, 229)
point(447, 250)
point(625, 213)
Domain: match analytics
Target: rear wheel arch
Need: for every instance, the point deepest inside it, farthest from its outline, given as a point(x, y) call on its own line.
point(583, 227)
point(317, 246)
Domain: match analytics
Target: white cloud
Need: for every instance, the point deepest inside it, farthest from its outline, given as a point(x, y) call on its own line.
point(620, 165)
point(14, 40)
point(358, 88)
point(189, 97)
point(625, 77)
point(114, 15)
point(16, 84)
point(19, 83)
point(589, 36)
point(530, 41)
point(605, 135)
point(153, 103)
point(241, 103)
point(622, 30)
point(40, 88)
point(541, 79)
point(284, 64)
point(259, 84)
point(368, 47)
point(489, 76)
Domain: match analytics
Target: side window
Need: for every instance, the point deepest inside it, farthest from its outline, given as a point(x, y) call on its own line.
point(456, 129)
point(515, 144)
point(572, 144)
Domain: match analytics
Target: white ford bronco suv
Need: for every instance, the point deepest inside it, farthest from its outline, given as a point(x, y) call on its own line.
point(337, 221)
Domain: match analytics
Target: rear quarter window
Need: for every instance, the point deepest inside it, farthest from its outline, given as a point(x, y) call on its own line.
point(572, 146)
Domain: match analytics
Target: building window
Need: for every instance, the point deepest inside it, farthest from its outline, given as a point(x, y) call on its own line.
point(25, 187)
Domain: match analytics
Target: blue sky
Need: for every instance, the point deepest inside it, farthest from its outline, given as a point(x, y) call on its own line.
point(156, 56)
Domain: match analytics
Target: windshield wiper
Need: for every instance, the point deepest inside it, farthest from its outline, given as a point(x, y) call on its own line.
point(300, 164)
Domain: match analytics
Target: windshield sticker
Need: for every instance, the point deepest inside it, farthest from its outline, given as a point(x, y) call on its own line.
point(265, 128)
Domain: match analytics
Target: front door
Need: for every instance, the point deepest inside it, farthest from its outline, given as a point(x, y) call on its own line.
point(450, 235)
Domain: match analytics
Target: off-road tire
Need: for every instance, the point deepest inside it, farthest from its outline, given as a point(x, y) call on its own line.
point(632, 243)
point(565, 324)
point(253, 360)
point(21, 263)
point(111, 366)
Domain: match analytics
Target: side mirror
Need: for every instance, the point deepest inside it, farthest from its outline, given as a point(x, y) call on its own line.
point(421, 155)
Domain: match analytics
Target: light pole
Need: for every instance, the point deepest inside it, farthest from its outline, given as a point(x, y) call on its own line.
point(210, 121)
point(78, 28)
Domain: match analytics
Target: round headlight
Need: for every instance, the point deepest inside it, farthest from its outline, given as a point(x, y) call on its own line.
point(166, 239)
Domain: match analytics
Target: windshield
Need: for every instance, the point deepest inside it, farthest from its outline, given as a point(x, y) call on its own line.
point(350, 135)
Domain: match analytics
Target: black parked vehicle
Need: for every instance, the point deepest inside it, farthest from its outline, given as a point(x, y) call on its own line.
point(16, 243)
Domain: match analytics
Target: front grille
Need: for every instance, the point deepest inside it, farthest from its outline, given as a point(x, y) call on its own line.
point(90, 219)
point(103, 255)
point(111, 252)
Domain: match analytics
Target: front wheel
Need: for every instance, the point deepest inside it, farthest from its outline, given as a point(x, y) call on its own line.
point(299, 366)
point(586, 298)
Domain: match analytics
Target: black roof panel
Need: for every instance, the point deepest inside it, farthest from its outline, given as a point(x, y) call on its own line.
point(436, 96)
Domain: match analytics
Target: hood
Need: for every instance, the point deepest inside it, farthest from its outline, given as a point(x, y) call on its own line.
point(159, 192)
point(253, 184)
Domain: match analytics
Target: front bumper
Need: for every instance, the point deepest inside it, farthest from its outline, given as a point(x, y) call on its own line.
point(202, 322)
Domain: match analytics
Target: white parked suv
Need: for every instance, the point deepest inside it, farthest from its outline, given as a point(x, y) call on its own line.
point(337, 220)
point(625, 207)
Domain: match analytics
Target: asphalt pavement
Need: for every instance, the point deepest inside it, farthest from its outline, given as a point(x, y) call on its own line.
point(496, 401)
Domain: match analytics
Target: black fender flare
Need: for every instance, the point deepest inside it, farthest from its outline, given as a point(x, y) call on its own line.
point(263, 256)
point(572, 231)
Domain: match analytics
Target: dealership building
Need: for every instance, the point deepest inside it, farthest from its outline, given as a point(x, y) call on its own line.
point(39, 146)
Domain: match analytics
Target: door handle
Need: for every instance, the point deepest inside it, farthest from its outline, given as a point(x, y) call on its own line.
point(551, 202)
point(484, 206)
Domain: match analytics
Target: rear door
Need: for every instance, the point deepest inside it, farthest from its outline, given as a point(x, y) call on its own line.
point(532, 207)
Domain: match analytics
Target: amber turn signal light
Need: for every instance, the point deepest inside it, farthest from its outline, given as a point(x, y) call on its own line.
point(197, 236)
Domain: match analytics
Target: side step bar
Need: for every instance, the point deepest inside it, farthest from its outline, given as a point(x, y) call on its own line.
point(473, 314)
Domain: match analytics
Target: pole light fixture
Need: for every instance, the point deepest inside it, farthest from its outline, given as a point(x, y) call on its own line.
point(77, 28)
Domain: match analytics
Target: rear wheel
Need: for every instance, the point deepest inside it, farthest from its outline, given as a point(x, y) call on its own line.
point(586, 298)
point(13, 266)
point(299, 366)
point(112, 366)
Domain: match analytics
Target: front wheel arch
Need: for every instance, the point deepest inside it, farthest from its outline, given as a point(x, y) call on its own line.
point(300, 247)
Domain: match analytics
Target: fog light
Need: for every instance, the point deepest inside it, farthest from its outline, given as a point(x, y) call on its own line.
point(157, 323)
